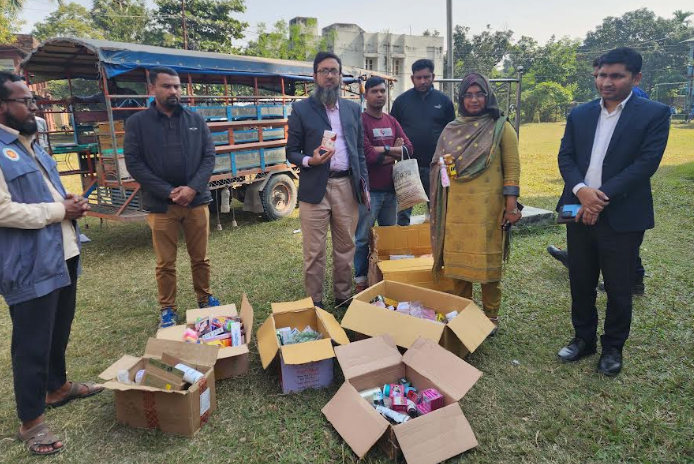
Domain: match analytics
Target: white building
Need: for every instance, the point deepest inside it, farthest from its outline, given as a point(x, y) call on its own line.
point(382, 51)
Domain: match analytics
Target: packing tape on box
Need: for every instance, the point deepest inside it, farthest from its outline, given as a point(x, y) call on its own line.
point(150, 409)
point(204, 416)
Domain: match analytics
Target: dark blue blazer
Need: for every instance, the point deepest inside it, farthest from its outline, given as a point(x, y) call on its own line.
point(305, 133)
point(633, 156)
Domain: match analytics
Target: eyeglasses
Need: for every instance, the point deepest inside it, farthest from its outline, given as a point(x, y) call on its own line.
point(28, 101)
point(326, 72)
point(478, 95)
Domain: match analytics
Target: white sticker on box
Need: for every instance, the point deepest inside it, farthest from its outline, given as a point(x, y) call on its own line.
point(204, 401)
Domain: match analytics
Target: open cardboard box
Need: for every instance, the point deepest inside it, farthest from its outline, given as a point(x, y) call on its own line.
point(408, 240)
point(461, 336)
point(232, 361)
point(302, 365)
point(178, 412)
point(427, 439)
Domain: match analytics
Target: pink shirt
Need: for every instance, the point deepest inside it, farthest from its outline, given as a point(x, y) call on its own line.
point(340, 160)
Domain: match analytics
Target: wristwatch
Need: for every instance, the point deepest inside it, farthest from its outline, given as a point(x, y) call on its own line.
point(386, 149)
point(514, 211)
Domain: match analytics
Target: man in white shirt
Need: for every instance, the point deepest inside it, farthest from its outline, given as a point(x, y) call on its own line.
point(610, 150)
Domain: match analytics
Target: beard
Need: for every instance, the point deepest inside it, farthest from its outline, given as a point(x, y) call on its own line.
point(171, 103)
point(26, 127)
point(327, 96)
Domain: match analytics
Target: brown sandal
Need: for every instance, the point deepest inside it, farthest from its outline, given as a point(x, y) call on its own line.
point(39, 436)
point(74, 393)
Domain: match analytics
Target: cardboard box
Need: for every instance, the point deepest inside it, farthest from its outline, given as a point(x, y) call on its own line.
point(178, 412)
point(461, 336)
point(427, 439)
point(301, 365)
point(232, 361)
point(408, 240)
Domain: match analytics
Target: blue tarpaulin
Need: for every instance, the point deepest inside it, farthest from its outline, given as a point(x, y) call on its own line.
point(59, 57)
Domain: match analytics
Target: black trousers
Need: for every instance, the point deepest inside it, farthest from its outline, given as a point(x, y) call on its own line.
point(594, 249)
point(40, 332)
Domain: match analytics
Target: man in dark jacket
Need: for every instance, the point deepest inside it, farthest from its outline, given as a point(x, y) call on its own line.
point(610, 150)
point(423, 112)
point(333, 180)
point(170, 152)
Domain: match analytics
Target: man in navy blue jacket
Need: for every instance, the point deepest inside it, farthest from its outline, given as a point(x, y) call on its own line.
point(610, 150)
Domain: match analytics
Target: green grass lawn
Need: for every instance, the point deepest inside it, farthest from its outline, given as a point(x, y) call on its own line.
point(533, 410)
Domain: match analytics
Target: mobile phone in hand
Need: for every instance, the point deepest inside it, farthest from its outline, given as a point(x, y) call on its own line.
point(568, 213)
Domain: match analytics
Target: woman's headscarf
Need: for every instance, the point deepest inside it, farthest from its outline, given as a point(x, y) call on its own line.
point(472, 140)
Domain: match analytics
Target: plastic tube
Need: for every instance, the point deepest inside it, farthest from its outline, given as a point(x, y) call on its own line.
point(393, 415)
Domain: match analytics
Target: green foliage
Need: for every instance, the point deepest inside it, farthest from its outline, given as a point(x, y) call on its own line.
point(481, 52)
point(657, 39)
point(121, 20)
point(287, 42)
point(70, 19)
point(547, 102)
point(8, 23)
point(210, 24)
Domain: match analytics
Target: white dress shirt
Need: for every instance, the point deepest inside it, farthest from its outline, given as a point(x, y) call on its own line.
point(603, 134)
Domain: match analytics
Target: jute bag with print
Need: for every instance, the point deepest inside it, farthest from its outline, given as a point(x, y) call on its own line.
point(408, 186)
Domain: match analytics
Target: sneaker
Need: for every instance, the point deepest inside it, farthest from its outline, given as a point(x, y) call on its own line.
point(211, 301)
point(168, 318)
point(360, 287)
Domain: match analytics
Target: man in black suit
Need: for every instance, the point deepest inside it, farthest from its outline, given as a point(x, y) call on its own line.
point(333, 179)
point(610, 150)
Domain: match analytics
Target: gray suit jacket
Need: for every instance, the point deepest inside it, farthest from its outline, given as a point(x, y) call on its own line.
point(306, 125)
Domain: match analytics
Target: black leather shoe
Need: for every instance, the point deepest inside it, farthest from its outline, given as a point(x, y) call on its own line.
point(342, 302)
point(319, 304)
point(575, 350)
point(610, 362)
point(560, 255)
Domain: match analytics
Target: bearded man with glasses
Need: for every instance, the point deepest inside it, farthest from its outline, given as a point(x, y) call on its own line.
point(334, 180)
point(40, 252)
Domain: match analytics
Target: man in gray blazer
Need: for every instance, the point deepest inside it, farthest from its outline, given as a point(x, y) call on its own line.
point(333, 180)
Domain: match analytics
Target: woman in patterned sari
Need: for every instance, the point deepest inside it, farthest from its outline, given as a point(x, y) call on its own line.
point(470, 218)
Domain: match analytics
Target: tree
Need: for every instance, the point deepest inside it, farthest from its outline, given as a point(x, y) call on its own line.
point(8, 25)
point(287, 42)
point(547, 102)
point(70, 19)
point(210, 24)
point(657, 39)
point(434, 33)
point(121, 20)
point(481, 52)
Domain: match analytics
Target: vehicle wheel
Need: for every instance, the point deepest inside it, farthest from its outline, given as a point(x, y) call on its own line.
point(278, 197)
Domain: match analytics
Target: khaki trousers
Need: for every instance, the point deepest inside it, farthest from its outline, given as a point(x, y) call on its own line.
point(339, 210)
point(491, 295)
point(195, 223)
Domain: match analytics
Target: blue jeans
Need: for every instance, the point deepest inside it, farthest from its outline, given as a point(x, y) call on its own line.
point(384, 209)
